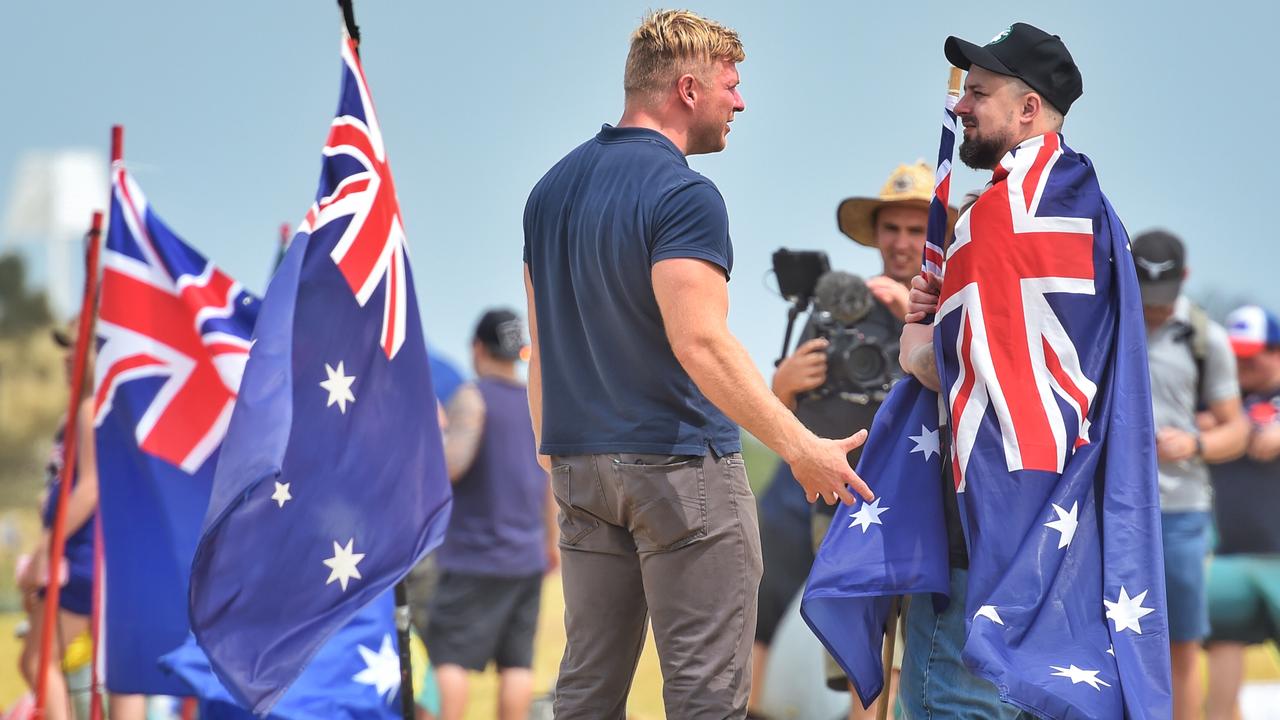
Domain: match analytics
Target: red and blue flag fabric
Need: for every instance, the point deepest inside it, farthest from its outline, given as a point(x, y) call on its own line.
point(1041, 353)
point(332, 483)
point(173, 335)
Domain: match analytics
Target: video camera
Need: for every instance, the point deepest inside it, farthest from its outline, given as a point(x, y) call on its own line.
point(862, 350)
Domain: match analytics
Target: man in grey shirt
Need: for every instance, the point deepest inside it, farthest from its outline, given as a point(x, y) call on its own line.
point(1192, 369)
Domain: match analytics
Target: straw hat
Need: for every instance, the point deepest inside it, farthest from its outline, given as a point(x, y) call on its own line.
point(909, 186)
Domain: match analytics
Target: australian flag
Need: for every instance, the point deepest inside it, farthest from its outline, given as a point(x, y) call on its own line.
point(354, 676)
point(173, 337)
point(1042, 359)
point(332, 483)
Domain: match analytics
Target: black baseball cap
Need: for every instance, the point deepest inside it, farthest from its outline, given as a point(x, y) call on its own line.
point(1029, 54)
point(1161, 261)
point(502, 333)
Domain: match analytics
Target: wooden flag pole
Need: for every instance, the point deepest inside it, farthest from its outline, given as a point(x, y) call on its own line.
point(890, 639)
point(70, 437)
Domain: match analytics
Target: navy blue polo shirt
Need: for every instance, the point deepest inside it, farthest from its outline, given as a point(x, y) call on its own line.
point(594, 226)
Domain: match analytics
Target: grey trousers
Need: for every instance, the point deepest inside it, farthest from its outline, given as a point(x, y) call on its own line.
point(674, 538)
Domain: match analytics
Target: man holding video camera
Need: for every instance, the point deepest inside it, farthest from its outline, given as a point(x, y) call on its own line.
point(838, 376)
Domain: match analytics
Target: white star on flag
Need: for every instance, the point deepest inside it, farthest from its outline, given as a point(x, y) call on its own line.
point(1065, 524)
point(1127, 611)
point(868, 515)
point(926, 443)
point(381, 669)
point(281, 495)
point(989, 612)
point(1077, 676)
point(343, 564)
point(339, 387)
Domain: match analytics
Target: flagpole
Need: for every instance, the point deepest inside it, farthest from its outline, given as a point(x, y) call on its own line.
point(402, 595)
point(57, 540)
point(99, 549)
point(406, 661)
point(349, 18)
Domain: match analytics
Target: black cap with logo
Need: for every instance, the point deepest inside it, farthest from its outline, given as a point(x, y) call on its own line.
point(1029, 54)
point(1161, 262)
point(501, 333)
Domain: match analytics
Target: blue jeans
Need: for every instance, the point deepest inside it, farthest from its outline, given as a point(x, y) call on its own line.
point(935, 682)
point(1186, 555)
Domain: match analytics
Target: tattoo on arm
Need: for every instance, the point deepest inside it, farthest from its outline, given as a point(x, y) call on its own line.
point(463, 434)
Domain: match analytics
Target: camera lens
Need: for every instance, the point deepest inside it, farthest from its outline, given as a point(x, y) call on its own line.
point(865, 365)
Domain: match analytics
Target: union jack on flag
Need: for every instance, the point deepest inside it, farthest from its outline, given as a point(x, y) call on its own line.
point(356, 183)
point(1012, 350)
point(168, 313)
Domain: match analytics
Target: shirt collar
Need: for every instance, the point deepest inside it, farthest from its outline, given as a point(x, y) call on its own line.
point(610, 134)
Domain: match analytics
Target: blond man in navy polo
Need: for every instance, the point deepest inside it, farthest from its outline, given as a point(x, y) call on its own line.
point(637, 388)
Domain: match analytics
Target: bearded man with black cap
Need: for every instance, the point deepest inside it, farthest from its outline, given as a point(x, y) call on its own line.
point(1034, 321)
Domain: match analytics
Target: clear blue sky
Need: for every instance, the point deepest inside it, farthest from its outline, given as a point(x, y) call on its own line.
point(226, 106)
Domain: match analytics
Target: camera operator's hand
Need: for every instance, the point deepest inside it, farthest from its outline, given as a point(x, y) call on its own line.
point(822, 469)
point(923, 298)
point(804, 370)
point(890, 293)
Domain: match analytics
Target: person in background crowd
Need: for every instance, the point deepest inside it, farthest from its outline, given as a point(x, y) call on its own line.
point(502, 535)
point(1244, 578)
point(1192, 367)
point(75, 599)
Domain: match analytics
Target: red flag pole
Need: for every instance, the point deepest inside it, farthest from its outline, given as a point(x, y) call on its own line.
point(57, 541)
point(99, 552)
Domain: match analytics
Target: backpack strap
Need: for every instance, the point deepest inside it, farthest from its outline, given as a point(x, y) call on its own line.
point(1197, 339)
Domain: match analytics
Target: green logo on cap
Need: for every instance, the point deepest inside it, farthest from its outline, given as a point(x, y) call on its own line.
point(1000, 38)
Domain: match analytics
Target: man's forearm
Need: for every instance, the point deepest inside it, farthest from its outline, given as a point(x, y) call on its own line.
point(724, 372)
point(535, 399)
point(924, 366)
point(1226, 441)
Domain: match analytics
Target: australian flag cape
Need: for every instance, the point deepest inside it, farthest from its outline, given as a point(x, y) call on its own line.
point(1041, 353)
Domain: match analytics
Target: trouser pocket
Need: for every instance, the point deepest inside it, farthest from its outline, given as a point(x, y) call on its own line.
point(575, 523)
point(666, 497)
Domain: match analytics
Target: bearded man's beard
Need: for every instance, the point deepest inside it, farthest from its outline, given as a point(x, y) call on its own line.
point(983, 153)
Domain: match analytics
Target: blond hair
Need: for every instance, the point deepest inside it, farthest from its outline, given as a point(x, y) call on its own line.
point(670, 43)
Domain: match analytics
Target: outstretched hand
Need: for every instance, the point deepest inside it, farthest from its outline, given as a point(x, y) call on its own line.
point(823, 470)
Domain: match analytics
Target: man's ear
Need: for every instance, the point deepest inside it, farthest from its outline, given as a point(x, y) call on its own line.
point(687, 89)
point(1032, 106)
